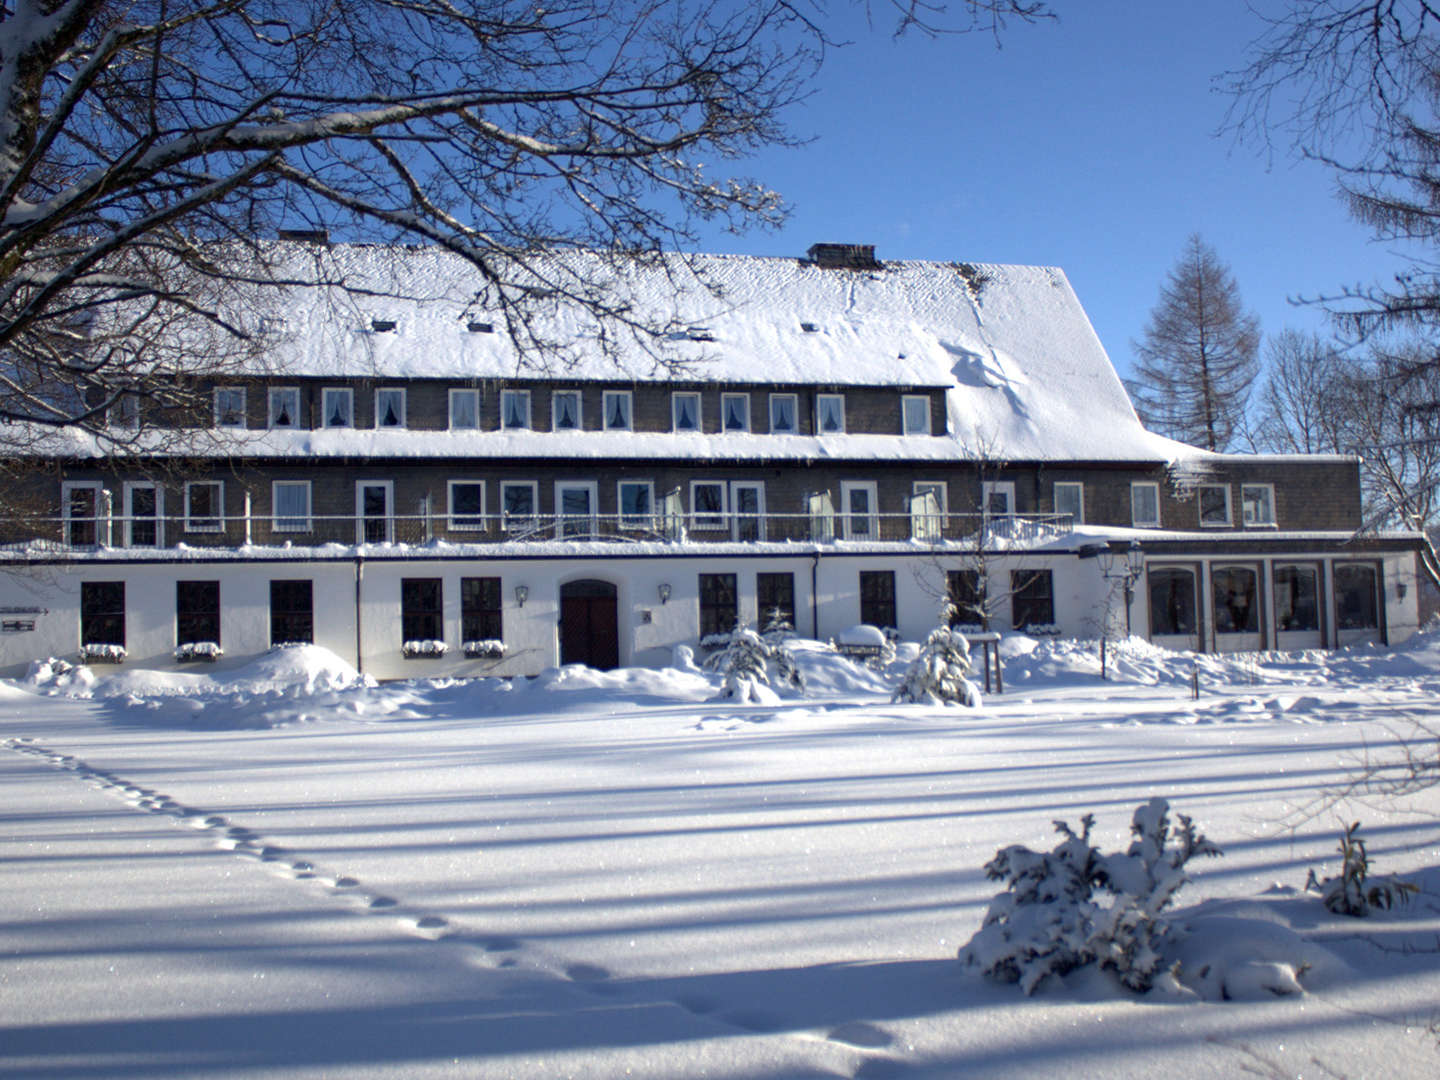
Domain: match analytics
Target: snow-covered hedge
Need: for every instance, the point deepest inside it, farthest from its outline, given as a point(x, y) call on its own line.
point(1049, 920)
point(198, 650)
point(102, 654)
point(486, 649)
point(423, 648)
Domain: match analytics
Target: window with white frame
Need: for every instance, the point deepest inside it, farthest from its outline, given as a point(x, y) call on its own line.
point(784, 414)
point(575, 502)
point(284, 406)
point(337, 407)
point(290, 502)
point(1257, 504)
point(204, 506)
point(997, 498)
point(1214, 502)
point(685, 410)
point(618, 406)
point(519, 503)
point(735, 412)
point(390, 407)
point(464, 409)
point(636, 499)
point(515, 409)
point(830, 413)
point(565, 411)
point(747, 509)
point(466, 504)
point(858, 501)
point(927, 509)
point(1145, 505)
point(1070, 500)
point(82, 505)
point(230, 406)
point(915, 414)
point(144, 507)
point(707, 504)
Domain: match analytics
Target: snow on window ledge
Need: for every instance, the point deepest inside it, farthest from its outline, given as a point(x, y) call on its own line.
point(208, 651)
point(422, 649)
point(102, 654)
point(488, 649)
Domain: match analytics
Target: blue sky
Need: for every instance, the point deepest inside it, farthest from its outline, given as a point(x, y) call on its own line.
point(1089, 144)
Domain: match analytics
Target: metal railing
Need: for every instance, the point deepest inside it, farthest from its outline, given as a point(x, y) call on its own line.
point(91, 533)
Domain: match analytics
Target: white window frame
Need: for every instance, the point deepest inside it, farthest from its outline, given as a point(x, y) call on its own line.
point(871, 530)
point(463, 393)
point(327, 395)
point(735, 516)
point(725, 401)
point(193, 521)
point(390, 390)
point(592, 491)
point(675, 399)
point(1229, 518)
point(132, 486)
point(98, 517)
point(360, 486)
point(290, 523)
point(1136, 487)
point(643, 520)
point(832, 400)
point(1269, 490)
point(464, 519)
point(1079, 486)
point(219, 416)
point(929, 526)
point(794, 400)
point(709, 520)
point(991, 488)
point(519, 522)
point(506, 397)
point(274, 404)
point(922, 402)
point(555, 396)
point(625, 396)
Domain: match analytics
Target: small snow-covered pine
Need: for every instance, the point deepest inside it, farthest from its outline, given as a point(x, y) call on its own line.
point(742, 660)
point(937, 675)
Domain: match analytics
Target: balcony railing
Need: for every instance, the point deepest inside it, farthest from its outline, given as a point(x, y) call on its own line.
point(87, 534)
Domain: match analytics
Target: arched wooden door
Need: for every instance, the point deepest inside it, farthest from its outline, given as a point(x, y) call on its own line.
point(589, 627)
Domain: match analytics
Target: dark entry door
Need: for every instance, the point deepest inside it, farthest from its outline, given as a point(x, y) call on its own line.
point(589, 633)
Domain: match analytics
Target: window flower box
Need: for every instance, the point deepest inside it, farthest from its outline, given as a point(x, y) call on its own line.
point(198, 651)
point(102, 654)
point(1041, 630)
point(488, 649)
point(426, 649)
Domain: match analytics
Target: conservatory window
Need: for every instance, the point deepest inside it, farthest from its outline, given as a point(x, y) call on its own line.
point(618, 405)
point(915, 413)
point(1214, 505)
point(783, 411)
point(291, 502)
point(230, 406)
point(1355, 597)
point(284, 407)
point(390, 407)
point(565, 410)
point(830, 408)
point(1257, 504)
point(337, 406)
point(515, 409)
point(685, 411)
point(464, 410)
point(735, 412)
point(1145, 505)
point(467, 504)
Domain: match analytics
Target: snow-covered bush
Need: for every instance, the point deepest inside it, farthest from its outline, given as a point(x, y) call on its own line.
point(1049, 920)
point(777, 637)
point(742, 659)
point(423, 648)
point(484, 649)
point(1356, 891)
point(937, 675)
point(198, 650)
point(102, 654)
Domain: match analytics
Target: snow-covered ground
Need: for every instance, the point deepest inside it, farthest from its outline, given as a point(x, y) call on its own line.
point(286, 871)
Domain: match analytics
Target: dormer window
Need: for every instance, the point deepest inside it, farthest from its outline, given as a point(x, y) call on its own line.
point(382, 326)
point(810, 327)
point(480, 327)
point(565, 410)
point(390, 407)
point(915, 414)
point(735, 412)
point(284, 407)
point(337, 407)
point(618, 410)
point(830, 408)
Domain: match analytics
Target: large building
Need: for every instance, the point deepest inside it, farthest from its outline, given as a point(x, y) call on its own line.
point(832, 439)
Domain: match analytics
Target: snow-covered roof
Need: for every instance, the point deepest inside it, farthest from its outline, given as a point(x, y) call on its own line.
point(1026, 377)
